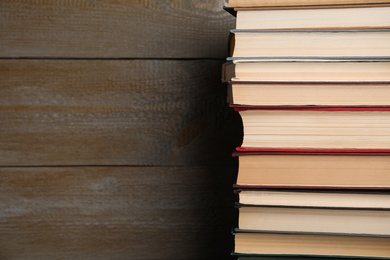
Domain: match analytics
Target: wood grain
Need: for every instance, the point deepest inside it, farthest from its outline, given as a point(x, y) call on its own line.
point(139, 112)
point(116, 212)
point(115, 137)
point(114, 29)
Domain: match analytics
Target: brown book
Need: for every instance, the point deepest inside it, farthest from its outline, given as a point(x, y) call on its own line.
point(314, 170)
point(303, 245)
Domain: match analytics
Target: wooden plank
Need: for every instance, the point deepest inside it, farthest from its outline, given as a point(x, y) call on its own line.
point(114, 29)
point(138, 112)
point(115, 213)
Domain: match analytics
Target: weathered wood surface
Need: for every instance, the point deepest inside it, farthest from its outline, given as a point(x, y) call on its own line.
point(107, 85)
point(138, 112)
point(114, 29)
point(115, 213)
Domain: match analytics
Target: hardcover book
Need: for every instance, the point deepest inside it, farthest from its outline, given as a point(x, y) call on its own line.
point(316, 127)
point(311, 44)
point(283, 3)
point(308, 245)
point(319, 17)
point(280, 93)
point(315, 198)
point(314, 169)
point(344, 221)
point(296, 71)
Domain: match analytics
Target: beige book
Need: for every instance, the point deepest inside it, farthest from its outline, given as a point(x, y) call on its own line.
point(309, 93)
point(309, 71)
point(262, 3)
point(318, 171)
point(314, 18)
point(310, 128)
point(315, 220)
point(311, 44)
point(312, 245)
point(315, 198)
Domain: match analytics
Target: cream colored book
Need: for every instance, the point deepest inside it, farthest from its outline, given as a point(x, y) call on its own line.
point(311, 44)
point(270, 3)
point(315, 18)
point(315, 171)
point(315, 220)
point(309, 93)
point(315, 198)
point(333, 246)
point(333, 128)
point(304, 70)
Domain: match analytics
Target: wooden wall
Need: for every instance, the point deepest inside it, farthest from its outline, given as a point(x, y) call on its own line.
point(115, 138)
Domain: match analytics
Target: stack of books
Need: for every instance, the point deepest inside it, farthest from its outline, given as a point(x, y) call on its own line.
point(311, 82)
